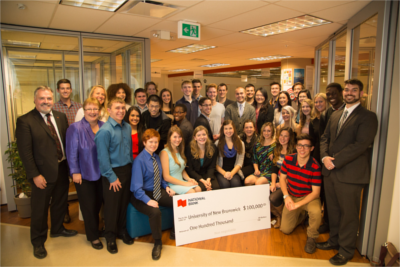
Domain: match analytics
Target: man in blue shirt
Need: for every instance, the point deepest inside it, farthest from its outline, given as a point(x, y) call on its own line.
point(149, 189)
point(114, 152)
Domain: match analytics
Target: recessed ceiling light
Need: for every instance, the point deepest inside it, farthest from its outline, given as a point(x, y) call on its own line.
point(214, 65)
point(269, 57)
point(289, 25)
point(191, 48)
point(21, 43)
point(155, 60)
point(179, 70)
point(95, 4)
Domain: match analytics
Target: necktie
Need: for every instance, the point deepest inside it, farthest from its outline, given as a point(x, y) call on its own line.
point(157, 184)
point(55, 136)
point(240, 110)
point(342, 120)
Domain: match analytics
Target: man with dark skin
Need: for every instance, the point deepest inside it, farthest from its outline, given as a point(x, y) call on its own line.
point(183, 123)
point(335, 97)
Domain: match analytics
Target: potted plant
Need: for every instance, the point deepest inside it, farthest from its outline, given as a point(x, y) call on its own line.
point(22, 200)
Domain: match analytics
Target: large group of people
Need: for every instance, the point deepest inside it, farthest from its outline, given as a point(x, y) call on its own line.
point(116, 153)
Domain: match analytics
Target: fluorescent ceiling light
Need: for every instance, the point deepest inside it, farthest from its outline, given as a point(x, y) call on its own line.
point(21, 43)
point(191, 48)
point(214, 65)
point(110, 5)
point(179, 70)
point(23, 56)
point(155, 60)
point(288, 25)
point(269, 57)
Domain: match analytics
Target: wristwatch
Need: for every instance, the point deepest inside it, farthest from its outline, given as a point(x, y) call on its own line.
point(285, 196)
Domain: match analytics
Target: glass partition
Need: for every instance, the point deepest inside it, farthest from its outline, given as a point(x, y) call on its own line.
point(324, 61)
point(363, 57)
point(340, 59)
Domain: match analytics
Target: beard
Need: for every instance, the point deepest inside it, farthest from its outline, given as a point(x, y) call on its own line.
point(354, 100)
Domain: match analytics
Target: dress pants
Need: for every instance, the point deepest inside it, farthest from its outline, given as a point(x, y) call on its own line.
point(276, 197)
point(290, 219)
point(343, 202)
point(116, 203)
point(153, 213)
point(323, 202)
point(214, 185)
point(40, 202)
point(90, 196)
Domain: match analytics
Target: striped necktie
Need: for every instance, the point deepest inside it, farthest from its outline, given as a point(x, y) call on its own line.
point(157, 184)
point(55, 136)
point(342, 120)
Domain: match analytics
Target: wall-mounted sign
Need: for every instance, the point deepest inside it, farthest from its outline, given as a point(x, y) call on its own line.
point(197, 74)
point(253, 80)
point(287, 77)
point(188, 30)
point(266, 73)
point(243, 78)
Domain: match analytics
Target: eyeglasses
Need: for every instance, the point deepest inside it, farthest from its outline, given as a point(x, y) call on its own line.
point(92, 109)
point(304, 146)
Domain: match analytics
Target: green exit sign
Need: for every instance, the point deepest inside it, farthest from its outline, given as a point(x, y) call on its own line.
point(188, 30)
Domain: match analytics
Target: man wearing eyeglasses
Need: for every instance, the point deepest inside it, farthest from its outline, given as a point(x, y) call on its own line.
point(155, 118)
point(205, 105)
point(300, 180)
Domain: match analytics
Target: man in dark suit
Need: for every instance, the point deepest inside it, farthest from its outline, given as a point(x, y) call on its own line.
point(205, 105)
point(344, 145)
point(240, 111)
point(41, 146)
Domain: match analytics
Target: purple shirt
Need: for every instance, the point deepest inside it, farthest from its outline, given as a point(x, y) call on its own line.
point(81, 150)
point(69, 111)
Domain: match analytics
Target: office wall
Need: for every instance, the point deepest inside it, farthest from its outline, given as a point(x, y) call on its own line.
point(3, 198)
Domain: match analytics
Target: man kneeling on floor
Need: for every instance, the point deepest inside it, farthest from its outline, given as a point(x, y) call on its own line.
point(300, 182)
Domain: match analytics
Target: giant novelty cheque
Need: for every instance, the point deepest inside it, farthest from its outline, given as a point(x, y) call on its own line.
point(212, 214)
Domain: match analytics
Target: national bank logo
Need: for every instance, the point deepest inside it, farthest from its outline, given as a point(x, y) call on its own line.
point(182, 203)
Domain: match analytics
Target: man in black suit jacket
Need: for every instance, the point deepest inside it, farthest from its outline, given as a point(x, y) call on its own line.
point(41, 145)
point(205, 105)
point(344, 154)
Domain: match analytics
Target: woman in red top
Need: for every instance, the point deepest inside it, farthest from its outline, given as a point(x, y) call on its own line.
point(133, 118)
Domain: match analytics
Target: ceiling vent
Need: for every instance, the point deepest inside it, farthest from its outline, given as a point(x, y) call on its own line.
point(148, 8)
point(198, 59)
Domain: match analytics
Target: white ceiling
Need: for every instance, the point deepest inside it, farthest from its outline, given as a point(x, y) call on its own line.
point(221, 21)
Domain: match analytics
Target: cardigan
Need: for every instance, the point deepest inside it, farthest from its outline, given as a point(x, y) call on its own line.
point(238, 162)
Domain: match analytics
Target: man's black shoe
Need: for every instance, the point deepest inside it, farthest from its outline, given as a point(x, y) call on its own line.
point(338, 259)
point(126, 238)
point(65, 233)
point(326, 246)
point(39, 252)
point(156, 253)
point(112, 247)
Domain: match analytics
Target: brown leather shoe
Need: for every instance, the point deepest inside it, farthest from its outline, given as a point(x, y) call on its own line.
point(310, 245)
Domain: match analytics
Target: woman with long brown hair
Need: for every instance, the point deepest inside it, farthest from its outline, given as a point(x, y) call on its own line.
point(173, 162)
point(201, 159)
point(285, 145)
point(231, 155)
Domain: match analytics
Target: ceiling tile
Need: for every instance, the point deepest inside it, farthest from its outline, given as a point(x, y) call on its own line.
point(342, 12)
point(208, 12)
point(78, 19)
point(37, 14)
point(310, 6)
point(121, 24)
point(230, 39)
point(183, 3)
point(260, 16)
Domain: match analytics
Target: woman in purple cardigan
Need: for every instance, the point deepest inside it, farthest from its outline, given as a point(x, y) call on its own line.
point(84, 168)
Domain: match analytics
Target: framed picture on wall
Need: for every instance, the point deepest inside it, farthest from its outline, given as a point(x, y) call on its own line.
point(298, 76)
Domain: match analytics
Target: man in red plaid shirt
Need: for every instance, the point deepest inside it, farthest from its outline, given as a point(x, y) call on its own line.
point(70, 108)
point(66, 105)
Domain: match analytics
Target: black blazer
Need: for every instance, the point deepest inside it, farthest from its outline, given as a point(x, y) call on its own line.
point(194, 168)
point(228, 102)
point(349, 146)
point(37, 147)
point(202, 120)
point(265, 116)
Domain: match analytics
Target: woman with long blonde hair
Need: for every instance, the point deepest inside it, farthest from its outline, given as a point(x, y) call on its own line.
point(289, 118)
point(307, 114)
point(201, 159)
point(98, 92)
point(173, 162)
